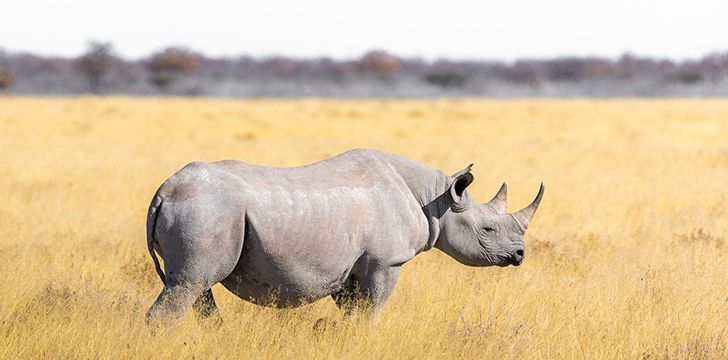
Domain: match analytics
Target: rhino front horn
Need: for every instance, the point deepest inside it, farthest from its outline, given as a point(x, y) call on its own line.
point(524, 216)
point(498, 202)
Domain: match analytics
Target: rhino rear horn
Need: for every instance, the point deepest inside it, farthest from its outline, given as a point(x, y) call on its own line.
point(525, 215)
point(498, 202)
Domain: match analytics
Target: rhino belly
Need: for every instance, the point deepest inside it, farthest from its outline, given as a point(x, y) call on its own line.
point(265, 281)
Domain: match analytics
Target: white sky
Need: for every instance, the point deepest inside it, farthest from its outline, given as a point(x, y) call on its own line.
point(503, 29)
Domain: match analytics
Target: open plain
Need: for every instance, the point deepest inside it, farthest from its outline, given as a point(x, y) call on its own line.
point(627, 256)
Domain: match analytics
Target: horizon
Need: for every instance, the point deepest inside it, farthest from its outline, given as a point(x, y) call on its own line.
point(320, 28)
point(358, 56)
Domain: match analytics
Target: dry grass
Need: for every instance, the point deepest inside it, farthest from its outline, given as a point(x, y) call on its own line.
point(625, 259)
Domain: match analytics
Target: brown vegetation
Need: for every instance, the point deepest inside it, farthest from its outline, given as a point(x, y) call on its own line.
point(379, 63)
point(6, 78)
point(168, 65)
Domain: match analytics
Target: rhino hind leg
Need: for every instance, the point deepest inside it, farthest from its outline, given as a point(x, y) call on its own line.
point(172, 303)
point(206, 309)
point(180, 293)
point(197, 255)
point(189, 279)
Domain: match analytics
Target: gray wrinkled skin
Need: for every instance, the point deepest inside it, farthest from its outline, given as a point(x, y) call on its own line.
point(341, 227)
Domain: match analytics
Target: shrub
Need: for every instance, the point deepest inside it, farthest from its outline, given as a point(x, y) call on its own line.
point(379, 63)
point(167, 66)
point(447, 78)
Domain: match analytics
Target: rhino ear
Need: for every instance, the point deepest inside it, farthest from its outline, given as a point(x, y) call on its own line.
point(463, 171)
point(463, 179)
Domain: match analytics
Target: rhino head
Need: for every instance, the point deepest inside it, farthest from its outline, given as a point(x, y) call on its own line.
point(483, 234)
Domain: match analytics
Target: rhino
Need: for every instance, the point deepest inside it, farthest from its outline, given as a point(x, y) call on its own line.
point(341, 227)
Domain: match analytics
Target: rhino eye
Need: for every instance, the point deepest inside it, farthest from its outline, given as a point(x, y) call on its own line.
point(489, 229)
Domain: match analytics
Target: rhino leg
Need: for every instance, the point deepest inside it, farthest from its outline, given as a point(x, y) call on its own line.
point(197, 254)
point(369, 291)
point(188, 281)
point(179, 295)
point(206, 309)
point(379, 285)
point(348, 298)
point(173, 302)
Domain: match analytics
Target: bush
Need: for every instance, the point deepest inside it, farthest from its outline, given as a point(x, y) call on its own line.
point(449, 78)
point(379, 63)
point(686, 76)
point(6, 73)
point(526, 72)
point(168, 65)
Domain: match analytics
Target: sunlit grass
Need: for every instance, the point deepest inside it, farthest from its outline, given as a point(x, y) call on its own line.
point(626, 257)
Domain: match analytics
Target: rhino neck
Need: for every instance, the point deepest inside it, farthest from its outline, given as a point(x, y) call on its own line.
point(434, 210)
point(430, 189)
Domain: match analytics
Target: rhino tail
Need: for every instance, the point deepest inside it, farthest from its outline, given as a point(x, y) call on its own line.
point(151, 223)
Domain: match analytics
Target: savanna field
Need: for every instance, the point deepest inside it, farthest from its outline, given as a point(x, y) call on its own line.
point(627, 256)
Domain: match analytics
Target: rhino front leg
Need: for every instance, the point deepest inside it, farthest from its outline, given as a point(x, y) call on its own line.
point(379, 285)
point(368, 291)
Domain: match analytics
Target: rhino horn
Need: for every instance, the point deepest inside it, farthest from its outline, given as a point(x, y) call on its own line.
point(524, 216)
point(498, 202)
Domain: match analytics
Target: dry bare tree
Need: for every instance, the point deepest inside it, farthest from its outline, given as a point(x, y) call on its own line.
point(95, 63)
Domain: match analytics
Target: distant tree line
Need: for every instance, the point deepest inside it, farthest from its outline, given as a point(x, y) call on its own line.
point(178, 70)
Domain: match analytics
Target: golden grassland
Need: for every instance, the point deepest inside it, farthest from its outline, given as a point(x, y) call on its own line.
point(626, 257)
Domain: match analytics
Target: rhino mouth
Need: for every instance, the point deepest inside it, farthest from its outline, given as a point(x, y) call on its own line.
point(509, 260)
